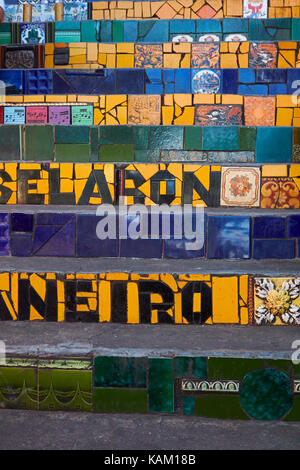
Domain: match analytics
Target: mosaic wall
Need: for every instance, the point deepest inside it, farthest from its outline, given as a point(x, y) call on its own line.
point(226, 388)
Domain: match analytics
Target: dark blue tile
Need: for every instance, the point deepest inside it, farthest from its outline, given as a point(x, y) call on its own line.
point(228, 237)
point(142, 247)
point(271, 75)
point(130, 81)
point(186, 246)
point(293, 226)
point(268, 227)
point(48, 218)
point(153, 80)
point(82, 82)
point(278, 249)
point(4, 247)
point(4, 218)
point(88, 243)
point(13, 80)
point(21, 244)
point(278, 89)
point(229, 81)
point(293, 78)
point(60, 242)
point(261, 90)
point(21, 222)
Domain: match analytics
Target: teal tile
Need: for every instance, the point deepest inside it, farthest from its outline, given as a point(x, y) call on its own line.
point(193, 138)
point(266, 394)
point(147, 156)
point(188, 405)
point(88, 31)
point(72, 152)
point(141, 138)
point(166, 137)
point(94, 131)
point(296, 29)
point(231, 368)
point(116, 153)
point(220, 138)
point(161, 387)
point(67, 26)
point(111, 371)
point(71, 135)
point(247, 138)
point(190, 367)
point(116, 400)
point(219, 406)
point(116, 135)
point(117, 31)
point(39, 143)
point(10, 142)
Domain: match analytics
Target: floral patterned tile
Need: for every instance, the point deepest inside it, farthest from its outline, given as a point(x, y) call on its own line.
point(277, 301)
point(259, 111)
point(148, 56)
point(279, 193)
point(240, 186)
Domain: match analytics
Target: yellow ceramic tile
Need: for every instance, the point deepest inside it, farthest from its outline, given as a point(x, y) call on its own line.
point(225, 299)
point(284, 117)
point(273, 170)
point(107, 48)
point(228, 61)
point(125, 60)
point(133, 314)
point(125, 47)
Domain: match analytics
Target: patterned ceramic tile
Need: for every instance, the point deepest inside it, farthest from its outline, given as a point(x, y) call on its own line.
point(205, 55)
point(144, 110)
point(218, 115)
point(148, 56)
point(240, 187)
point(279, 193)
point(259, 111)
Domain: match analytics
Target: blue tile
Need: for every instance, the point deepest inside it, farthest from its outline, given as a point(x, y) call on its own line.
point(254, 89)
point(293, 226)
point(21, 244)
point(186, 247)
point(183, 81)
point(271, 75)
point(130, 31)
point(246, 76)
point(278, 89)
point(13, 80)
point(229, 81)
point(48, 218)
point(153, 80)
point(55, 240)
point(235, 25)
point(4, 247)
point(141, 247)
point(274, 144)
point(182, 26)
point(21, 222)
point(268, 227)
point(293, 77)
point(208, 26)
point(130, 81)
point(277, 249)
point(88, 244)
point(228, 237)
point(153, 31)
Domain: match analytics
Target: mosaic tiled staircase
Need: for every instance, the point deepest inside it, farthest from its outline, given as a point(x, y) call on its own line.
point(184, 103)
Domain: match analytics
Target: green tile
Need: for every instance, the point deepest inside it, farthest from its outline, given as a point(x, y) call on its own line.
point(9, 142)
point(117, 31)
point(266, 394)
point(18, 388)
point(161, 387)
point(284, 365)
point(116, 135)
point(188, 405)
point(219, 406)
point(72, 152)
point(193, 138)
point(65, 389)
point(149, 156)
point(116, 400)
point(166, 137)
point(88, 31)
point(294, 414)
point(94, 143)
point(231, 368)
point(116, 153)
point(39, 143)
point(247, 138)
point(190, 367)
point(141, 138)
point(110, 371)
point(71, 135)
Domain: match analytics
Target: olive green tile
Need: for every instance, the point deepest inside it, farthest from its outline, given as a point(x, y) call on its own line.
point(71, 134)
point(39, 143)
point(284, 365)
point(193, 138)
point(94, 144)
point(116, 400)
point(110, 371)
point(190, 367)
point(18, 388)
point(10, 142)
point(247, 138)
point(65, 389)
point(294, 414)
point(72, 152)
point(116, 153)
point(219, 406)
point(160, 385)
point(231, 368)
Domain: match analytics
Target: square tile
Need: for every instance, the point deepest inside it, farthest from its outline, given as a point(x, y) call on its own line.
point(228, 237)
point(205, 55)
point(144, 110)
point(240, 186)
point(148, 56)
point(279, 193)
point(259, 111)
